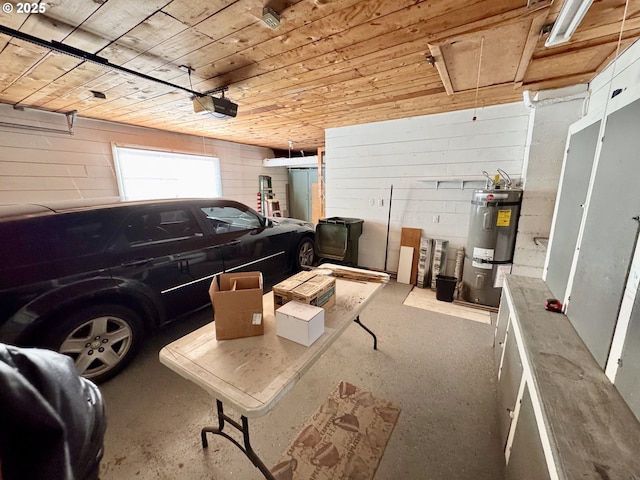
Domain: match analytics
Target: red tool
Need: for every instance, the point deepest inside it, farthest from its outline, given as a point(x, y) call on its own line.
point(553, 305)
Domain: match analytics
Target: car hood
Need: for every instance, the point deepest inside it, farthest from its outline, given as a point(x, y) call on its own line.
point(291, 221)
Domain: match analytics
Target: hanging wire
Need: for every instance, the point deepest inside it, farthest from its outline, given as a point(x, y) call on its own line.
point(204, 144)
point(615, 60)
point(475, 106)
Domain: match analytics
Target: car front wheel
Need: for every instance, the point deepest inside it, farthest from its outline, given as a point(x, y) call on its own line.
point(101, 340)
point(304, 253)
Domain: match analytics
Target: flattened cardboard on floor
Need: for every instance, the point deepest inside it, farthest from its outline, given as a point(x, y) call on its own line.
point(237, 305)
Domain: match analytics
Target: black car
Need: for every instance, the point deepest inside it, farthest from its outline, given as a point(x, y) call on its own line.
point(90, 281)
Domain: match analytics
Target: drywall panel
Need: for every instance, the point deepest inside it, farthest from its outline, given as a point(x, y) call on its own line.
point(37, 166)
point(609, 234)
point(404, 264)
point(572, 196)
point(411, 237)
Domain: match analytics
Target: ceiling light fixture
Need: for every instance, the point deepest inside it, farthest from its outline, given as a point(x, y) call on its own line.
point(270, 18)
point(570, 16)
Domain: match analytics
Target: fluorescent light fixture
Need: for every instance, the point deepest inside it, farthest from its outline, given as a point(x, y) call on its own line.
point(570, 16)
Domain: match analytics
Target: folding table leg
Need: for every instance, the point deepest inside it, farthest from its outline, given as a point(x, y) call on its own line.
point(244, 429)
point(375, 339)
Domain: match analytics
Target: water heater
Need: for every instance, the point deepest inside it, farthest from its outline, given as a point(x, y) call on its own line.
point(490, 245)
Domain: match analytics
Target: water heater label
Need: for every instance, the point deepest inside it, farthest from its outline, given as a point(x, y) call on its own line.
point(504, 218)
point(480, 254)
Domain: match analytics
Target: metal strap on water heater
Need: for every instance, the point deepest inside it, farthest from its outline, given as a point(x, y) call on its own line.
point(489, 262)
point(495, 204)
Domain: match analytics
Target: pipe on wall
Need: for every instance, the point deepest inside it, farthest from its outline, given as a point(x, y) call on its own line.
point(526, 97)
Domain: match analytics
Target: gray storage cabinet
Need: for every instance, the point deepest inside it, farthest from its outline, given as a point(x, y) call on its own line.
point(560, 416)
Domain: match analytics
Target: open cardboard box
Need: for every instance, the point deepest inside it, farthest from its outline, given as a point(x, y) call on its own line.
point(237, 304)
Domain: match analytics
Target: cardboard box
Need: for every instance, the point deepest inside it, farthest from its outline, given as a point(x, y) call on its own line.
point(283, 291)
point(300, 322)
point(320, 290)
point(237, 305)
point(306, 287)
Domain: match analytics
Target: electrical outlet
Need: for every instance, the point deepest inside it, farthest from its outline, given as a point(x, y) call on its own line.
point(436, 219)
point(372, 202)
point(381, 202)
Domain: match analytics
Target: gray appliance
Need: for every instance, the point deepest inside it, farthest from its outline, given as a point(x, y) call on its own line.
point(490, 245)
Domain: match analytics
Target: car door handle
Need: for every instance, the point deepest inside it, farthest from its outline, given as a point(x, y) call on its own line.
point(137, 262)
point(233, 242)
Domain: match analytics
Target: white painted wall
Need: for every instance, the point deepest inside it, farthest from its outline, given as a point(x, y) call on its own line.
point(38, 166)
point(546, 142)
point(363, 161)
point(623, 74)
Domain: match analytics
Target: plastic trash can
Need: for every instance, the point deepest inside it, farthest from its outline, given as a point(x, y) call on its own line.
point(337, 239)
point(445, 288)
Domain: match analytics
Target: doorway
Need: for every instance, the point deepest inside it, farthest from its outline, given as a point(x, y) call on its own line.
point(301, 187)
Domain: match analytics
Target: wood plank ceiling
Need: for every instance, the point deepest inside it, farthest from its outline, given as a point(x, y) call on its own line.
point(330, 63)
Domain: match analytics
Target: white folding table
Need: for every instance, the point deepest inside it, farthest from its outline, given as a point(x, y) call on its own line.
point(252, 374)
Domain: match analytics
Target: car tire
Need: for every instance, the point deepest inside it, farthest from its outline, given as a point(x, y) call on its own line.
point(101, 340)
point(305, 253)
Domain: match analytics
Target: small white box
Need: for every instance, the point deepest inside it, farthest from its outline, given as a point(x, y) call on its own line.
point(300, 322)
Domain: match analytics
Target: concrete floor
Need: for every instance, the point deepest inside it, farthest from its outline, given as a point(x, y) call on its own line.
point(439, 369)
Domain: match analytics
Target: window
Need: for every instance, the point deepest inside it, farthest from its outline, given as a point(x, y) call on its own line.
point(231, 219)
point(160, 226)
point(55, 237)
point(148, 175)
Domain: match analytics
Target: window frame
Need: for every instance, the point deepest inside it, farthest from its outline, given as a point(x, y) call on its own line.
point(163, 154)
